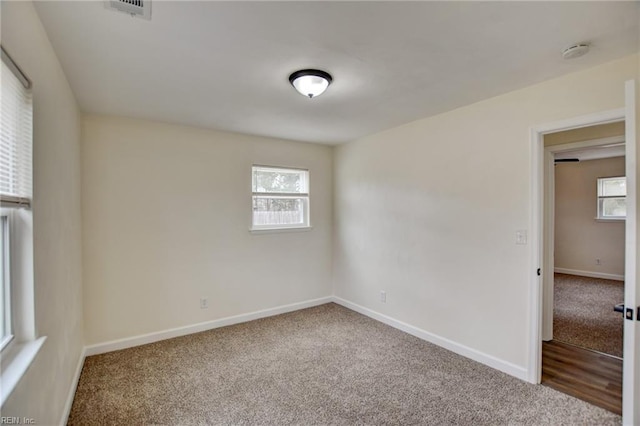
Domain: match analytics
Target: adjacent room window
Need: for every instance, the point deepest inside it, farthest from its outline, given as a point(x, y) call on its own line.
point(280, 198)
point(612, 198)
point(15, 189)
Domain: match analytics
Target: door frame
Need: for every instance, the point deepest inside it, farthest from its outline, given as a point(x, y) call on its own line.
point(631, 362)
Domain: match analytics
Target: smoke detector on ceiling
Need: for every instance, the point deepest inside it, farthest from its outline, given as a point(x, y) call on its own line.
point(139, 8)
point(575, 51)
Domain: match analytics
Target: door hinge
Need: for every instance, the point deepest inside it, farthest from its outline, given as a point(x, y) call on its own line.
point(539, 272)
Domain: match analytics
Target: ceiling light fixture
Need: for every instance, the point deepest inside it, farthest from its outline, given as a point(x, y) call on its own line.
point(575, 51)
point(310, 83)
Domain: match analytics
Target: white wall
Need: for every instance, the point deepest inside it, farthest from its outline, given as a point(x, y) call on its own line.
point(580, 239)
point(166, 217)
point(43, 391)
point(428, 212)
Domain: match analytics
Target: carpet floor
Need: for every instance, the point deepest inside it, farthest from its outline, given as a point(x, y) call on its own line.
point(583, 313)
point(325, 365)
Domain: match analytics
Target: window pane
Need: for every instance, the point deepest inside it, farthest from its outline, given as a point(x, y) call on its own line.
point(279, 211)
point(274, 180)
point(612, 187)
point(614, 207)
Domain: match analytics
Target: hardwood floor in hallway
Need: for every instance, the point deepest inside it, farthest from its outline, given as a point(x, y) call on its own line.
point(585, 374)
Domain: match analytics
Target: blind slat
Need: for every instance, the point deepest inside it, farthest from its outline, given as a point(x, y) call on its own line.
point(16, 123)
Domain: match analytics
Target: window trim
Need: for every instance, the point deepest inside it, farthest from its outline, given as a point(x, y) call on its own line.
point(14, 363)
point(306, 196)
point(15, 69)
point(18, 352)
point(600, 201)
point(5, 258)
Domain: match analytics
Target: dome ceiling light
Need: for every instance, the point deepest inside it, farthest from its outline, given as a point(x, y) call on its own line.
point(310, 83)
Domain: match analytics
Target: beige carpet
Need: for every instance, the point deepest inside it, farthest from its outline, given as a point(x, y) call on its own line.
point(320, 366)
point(583, 313)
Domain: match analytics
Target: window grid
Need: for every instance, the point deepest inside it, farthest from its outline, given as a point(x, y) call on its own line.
point(280, 198)
point(611, 198)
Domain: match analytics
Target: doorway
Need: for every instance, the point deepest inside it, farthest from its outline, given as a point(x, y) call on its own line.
point(585, 187)
point(631, 372)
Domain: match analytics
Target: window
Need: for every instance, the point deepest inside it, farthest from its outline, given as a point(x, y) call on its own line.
point(280, 198)
point(17, 311)
point(15, 176)
point(612, 198)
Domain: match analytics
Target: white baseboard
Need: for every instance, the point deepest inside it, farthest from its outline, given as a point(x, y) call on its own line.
point(489, 360)
point(144, 339)
point(74, 386)
point(590, 274)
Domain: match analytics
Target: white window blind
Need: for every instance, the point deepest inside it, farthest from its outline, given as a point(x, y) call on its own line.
point(15, 137)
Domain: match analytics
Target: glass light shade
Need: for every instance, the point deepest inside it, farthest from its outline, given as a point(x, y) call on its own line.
point(310, 83)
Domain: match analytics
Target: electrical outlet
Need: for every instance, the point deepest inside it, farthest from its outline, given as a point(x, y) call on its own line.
point(383, 296)
point(598, 262)
point(204, 303)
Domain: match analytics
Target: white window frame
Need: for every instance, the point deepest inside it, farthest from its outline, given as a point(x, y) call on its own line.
point(5, 259)
point(305, 196)
point(21, 346)
point(601, 198)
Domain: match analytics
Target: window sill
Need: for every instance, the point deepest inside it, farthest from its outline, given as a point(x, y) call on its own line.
point(280, 230)
point(599, 219)
point(16, 363)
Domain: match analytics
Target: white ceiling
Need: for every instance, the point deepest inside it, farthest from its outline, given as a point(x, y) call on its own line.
point(225, 65)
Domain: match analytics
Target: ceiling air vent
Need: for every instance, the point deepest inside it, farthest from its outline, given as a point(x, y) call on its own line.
point(139, 8)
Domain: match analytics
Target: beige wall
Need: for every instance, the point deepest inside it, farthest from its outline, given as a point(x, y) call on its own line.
point(166, 217)
point(429, 211)
point(579, 238)
point(585, 133)
point(42, 392)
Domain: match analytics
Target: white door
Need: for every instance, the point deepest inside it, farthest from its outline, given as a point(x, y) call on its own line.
point(631, 363)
